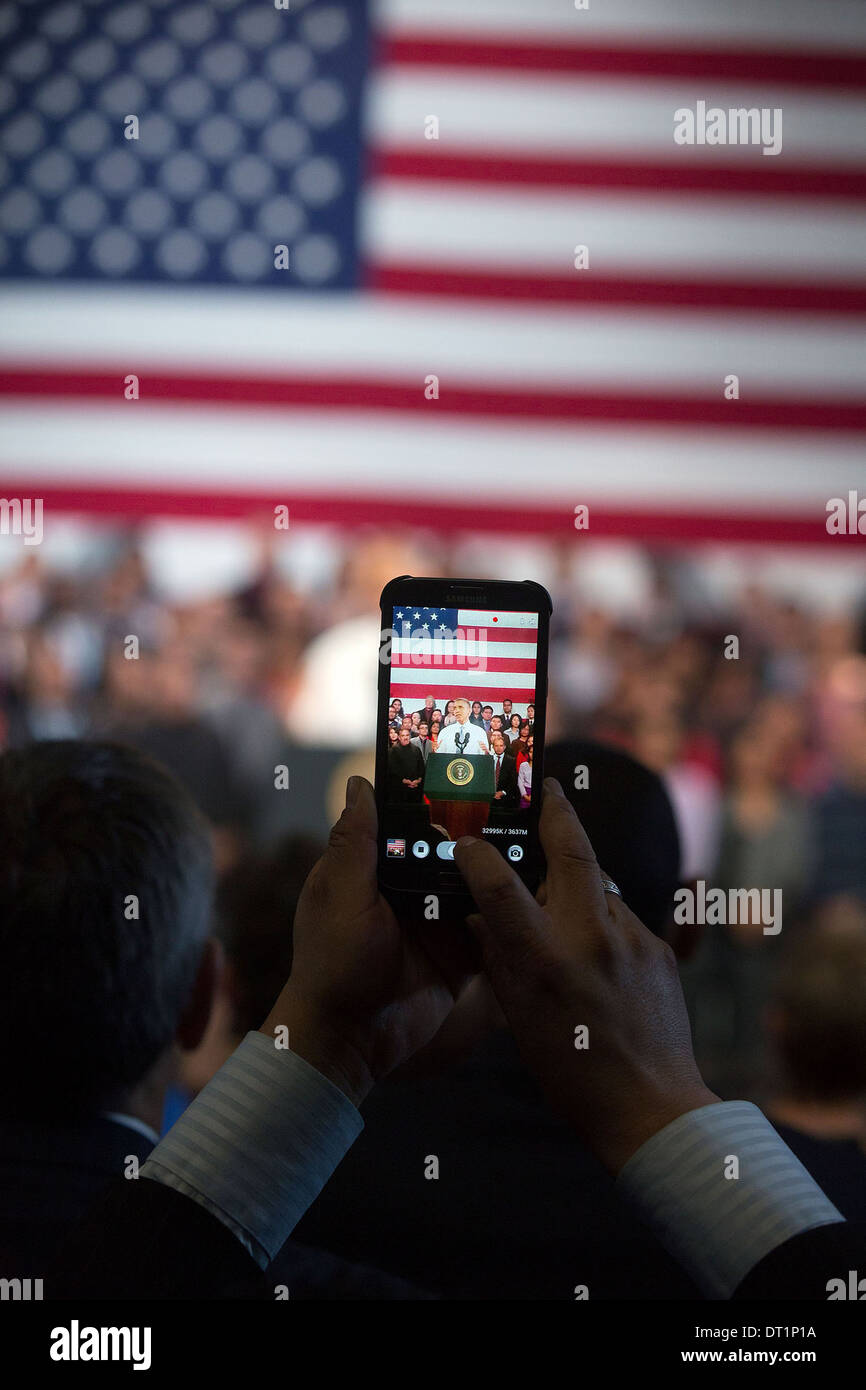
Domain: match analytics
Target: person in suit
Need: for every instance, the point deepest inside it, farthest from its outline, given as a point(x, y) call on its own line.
point(506, 796)
point(111, 975)
point(422, 740)
point(816, 1021)
point(228, 1184)
point(405, 770)
point(507, 712)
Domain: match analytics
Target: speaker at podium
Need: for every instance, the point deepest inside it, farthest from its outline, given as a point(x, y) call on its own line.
point(459, 789)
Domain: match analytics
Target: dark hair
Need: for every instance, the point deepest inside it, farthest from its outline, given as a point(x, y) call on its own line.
point(626, 812)
point(490, 707)
point(821, 993)
point(91, 832)
point(256, 903)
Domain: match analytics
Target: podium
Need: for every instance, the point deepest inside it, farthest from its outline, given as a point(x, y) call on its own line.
point(459, 788)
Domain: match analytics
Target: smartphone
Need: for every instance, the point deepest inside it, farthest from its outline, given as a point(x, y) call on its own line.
point(460, 736)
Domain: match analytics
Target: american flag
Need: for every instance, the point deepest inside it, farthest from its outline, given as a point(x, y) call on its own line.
point(482, 654)
point(336, 250)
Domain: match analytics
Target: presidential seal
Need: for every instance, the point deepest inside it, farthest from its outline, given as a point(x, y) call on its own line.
point(460, 771)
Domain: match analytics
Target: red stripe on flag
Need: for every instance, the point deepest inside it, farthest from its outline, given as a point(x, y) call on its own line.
point(796, 68)
point(488, 695)
point(672, 524)
point(764, 178)
point(316, 393)
point(638, 292)
point(480, 662)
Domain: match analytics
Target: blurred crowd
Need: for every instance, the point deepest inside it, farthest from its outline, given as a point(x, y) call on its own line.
point(753, 712)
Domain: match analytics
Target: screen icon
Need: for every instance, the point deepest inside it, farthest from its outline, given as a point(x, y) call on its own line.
point(420, 849)
point(515, 853)
point(445, 850)
point(396, 849)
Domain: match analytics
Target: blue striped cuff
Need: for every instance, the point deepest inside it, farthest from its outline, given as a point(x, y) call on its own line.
point(719, 1227)
point(258, 1144)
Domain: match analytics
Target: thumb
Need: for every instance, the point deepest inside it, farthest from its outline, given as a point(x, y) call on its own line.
point(351, 851)
point(510, 920)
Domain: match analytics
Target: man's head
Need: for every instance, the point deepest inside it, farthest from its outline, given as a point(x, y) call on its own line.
point(429, 701)
point(487, 712)
point(423, 729)
point(626, 812)
point(415, 720)
point(506, 705)
point(462, 709)
point(405, 735)
point(105, 904)
point(497, 743)
point(406, 722)
point(496, 724)
point(818, 1016)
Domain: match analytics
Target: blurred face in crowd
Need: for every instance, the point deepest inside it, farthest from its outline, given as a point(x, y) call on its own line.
point(449, 708)
point(437, 714)
point(530, 712)
point(415, 720)
point(404, 737)
point(506, 706)
point(524, 732)
point(498, 742)
point(392, 735)
point(428, 702)
point(657, 743)
point(495, 724)
point(407, 722)
point(754, 759)
point(515, 721)
point(476, 708)
point(423, 729)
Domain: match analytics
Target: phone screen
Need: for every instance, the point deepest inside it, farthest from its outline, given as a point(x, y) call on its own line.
point(462, 725)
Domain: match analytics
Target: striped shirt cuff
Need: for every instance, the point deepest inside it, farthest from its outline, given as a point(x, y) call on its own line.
point(719, 1218)
point(258, 1144)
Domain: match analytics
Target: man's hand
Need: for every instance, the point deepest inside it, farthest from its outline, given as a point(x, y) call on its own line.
point(364, 994)
point(584, 960)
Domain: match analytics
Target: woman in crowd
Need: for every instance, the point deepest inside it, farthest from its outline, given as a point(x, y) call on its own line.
point(513, 730)
point(450, 716)
point(524, 778)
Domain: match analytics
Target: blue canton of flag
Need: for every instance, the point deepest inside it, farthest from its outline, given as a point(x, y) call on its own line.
point(246, 138)
point(424, 621)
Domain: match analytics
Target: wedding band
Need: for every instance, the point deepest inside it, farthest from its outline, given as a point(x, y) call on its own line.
point(609, 886)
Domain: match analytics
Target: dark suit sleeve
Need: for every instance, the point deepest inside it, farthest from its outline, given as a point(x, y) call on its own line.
point(801, 1267)
point(145, 1240)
